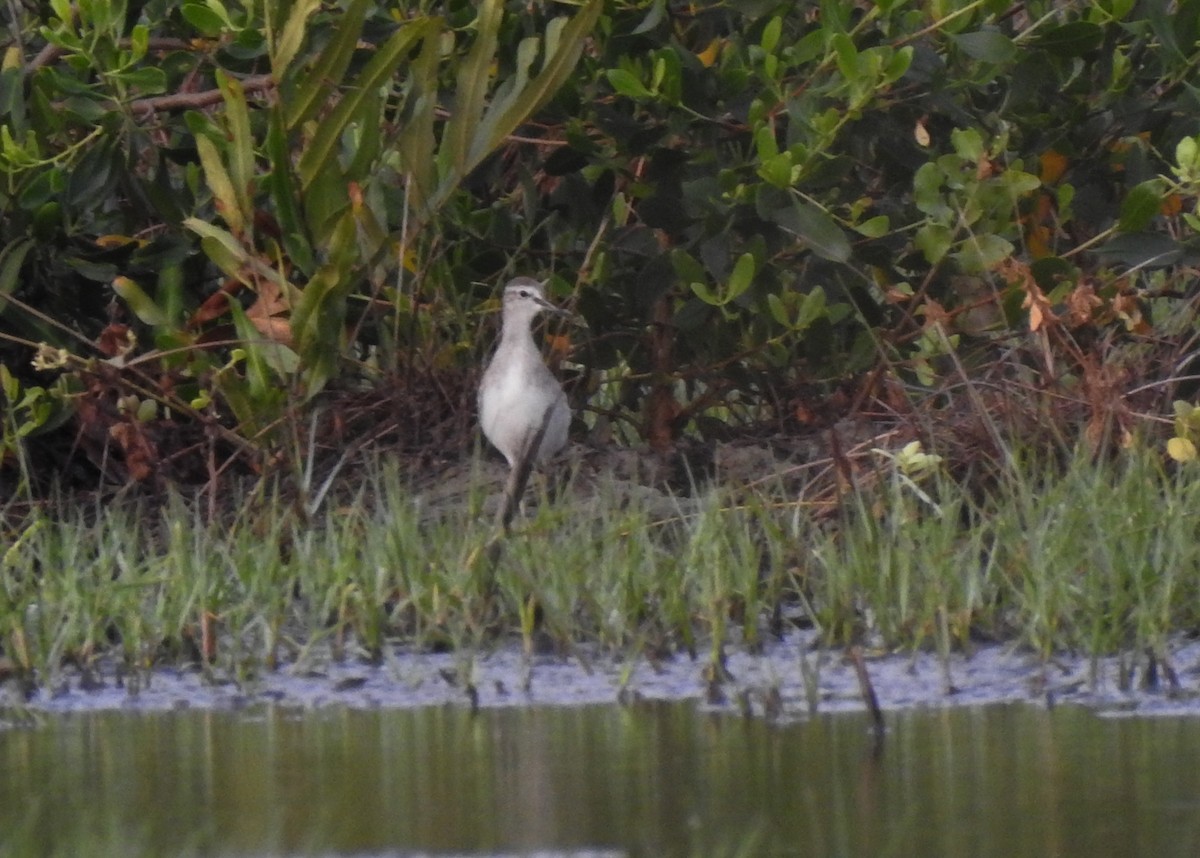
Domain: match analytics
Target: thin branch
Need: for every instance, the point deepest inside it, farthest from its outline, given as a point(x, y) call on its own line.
point(51, 52)
point(192, 100)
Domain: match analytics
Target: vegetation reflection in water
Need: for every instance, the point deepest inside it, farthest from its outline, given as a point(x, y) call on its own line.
point(653, 779)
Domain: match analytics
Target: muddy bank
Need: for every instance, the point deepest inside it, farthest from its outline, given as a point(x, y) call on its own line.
point(789, 681)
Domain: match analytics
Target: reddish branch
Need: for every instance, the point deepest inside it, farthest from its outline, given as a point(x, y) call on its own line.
point(188, 100)
point(155, 104)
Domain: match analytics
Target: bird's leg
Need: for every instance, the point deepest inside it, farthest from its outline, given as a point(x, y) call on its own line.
point(518, 477)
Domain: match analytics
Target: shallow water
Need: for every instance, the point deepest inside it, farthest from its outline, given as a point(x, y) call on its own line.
point(649, 779)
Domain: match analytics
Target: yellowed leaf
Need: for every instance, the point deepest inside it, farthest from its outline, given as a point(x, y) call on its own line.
point(921, 133)
point(111, 242)
point(709, 55)
point(1053, 165)
point(1181, 450)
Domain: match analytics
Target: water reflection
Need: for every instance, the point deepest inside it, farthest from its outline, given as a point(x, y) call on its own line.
point(657, 779)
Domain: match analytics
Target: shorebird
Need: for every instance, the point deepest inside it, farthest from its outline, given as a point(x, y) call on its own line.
point(519, 398)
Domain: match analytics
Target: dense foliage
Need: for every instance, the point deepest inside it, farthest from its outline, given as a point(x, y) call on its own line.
point(217, 215)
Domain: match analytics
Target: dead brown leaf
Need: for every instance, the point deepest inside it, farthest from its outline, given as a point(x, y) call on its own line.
point(1081, 304)
point(140, 454)
point(267, 313)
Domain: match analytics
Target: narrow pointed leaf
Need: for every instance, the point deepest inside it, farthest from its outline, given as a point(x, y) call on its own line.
point(292, 36)
point(321, 309)
point(281, 185)
point(471, 92)
point(467, 143)
point(306, 94)
point(224, 196)
point(241, 144)
point(350, 109)
point(416, 141)
point(11, 260)
point(484, 139)
point(555, 71)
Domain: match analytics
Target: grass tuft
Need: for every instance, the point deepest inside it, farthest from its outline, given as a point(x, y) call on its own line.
point(1087, 556)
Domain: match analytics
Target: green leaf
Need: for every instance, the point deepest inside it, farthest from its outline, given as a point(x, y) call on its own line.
point(687, 268)
point(979, 253)
point(146, 80)
point(99, 272)
point(874, 227)
point(927, 191)
point(46, 186)
point(1140, 206)
point(1051, 271)
point(472, 141)
point(11, 260)
point(1073, 39)
point(988, 46)
point(505, 96)
point(320, 311)
point(706, 293)
point(816, 228)
point(258, 369)
point(240, 145)
point(779, 310)
point(1187, 156)
point(764, 143)
point(8, 384)
point(771, 33)
point(225, 198)
point(226, 252)
point(204, 19)
point(812, 308)
point(280, 184)
point(307, 93)
point(777, 170)
point(740, 279)
point(626, 84)
point(416, 142)
point(934, 240)
point(292, 36)
point(1142, 250)
point(653, 17)
point(143, 306)
point(139, 41)
point(847, 56)
point(321, 150)
point(63, 10)
point(1019, 183)
point(968, 144)
point(668, 75)
point(898, 64)
point(470, 94)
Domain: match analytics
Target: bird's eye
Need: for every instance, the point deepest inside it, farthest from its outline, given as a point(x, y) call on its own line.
point(523, 293)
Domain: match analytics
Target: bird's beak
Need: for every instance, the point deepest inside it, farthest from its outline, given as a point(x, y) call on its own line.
point(554, 309)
